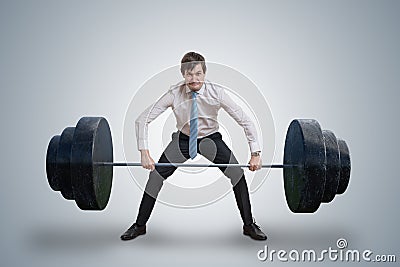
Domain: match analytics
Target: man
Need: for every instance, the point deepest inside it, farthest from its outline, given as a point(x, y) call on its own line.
point(195, 104)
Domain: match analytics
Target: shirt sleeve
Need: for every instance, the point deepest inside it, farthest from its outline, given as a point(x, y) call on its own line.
point(148, 115)
point(236, 112)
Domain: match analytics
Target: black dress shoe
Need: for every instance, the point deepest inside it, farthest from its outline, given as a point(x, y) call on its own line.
point(254, 231)
point(133, 231)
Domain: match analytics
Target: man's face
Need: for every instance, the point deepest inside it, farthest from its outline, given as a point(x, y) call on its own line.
point(194, 78)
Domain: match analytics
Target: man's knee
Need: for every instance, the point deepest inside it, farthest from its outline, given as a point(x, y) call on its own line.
point(234, 174)
point(156, 180)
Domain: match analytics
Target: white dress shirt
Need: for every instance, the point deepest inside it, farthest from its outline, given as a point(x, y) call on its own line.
point(210, 98)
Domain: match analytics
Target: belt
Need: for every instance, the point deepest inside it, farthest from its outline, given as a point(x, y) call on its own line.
point(183, 136)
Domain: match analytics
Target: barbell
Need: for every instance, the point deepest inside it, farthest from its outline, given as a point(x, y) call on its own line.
point(316, 164)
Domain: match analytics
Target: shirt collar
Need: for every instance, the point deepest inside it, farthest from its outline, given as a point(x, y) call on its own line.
point(201, 91)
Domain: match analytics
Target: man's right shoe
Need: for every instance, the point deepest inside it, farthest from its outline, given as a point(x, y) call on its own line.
point(133, 231)
point(254, 231)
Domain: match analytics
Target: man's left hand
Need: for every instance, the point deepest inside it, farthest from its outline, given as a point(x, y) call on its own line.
point(255, 163)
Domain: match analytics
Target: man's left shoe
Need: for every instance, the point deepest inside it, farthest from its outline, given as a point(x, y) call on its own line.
point(254, 231)
point(133, 232)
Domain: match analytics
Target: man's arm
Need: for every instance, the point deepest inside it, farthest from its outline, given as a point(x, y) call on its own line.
point(236, 112)
point(141, 127)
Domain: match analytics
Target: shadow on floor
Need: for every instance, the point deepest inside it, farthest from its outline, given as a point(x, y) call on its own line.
point(62, 239)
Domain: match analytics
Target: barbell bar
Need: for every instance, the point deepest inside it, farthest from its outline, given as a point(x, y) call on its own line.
point(137, 164)
point(316, 165)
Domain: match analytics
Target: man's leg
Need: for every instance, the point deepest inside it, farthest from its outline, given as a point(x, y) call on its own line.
point(215, 150)
point(177, 151)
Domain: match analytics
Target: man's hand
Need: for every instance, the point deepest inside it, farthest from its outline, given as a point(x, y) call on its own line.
point(146, 160)
point(255, 163)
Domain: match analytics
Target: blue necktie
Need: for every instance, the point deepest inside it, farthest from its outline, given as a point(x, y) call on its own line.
point(193, 128)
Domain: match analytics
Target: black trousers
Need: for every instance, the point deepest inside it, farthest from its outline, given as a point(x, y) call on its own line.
point(211, 147)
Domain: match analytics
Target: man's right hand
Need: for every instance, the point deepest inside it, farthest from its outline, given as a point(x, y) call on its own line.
point(146, 160)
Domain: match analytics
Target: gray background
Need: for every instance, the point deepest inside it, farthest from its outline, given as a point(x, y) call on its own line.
point(336, 61)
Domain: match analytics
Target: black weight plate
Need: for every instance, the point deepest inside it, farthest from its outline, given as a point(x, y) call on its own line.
point(51, 163)
point(332, 166)
point(92, 183)
point(304, 181)
point(63, 162)
point(345, 166)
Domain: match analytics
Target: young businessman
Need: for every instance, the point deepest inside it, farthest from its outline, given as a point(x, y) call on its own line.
point(195, 103)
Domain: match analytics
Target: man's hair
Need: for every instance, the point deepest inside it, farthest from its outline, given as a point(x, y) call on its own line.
point(190, 60)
